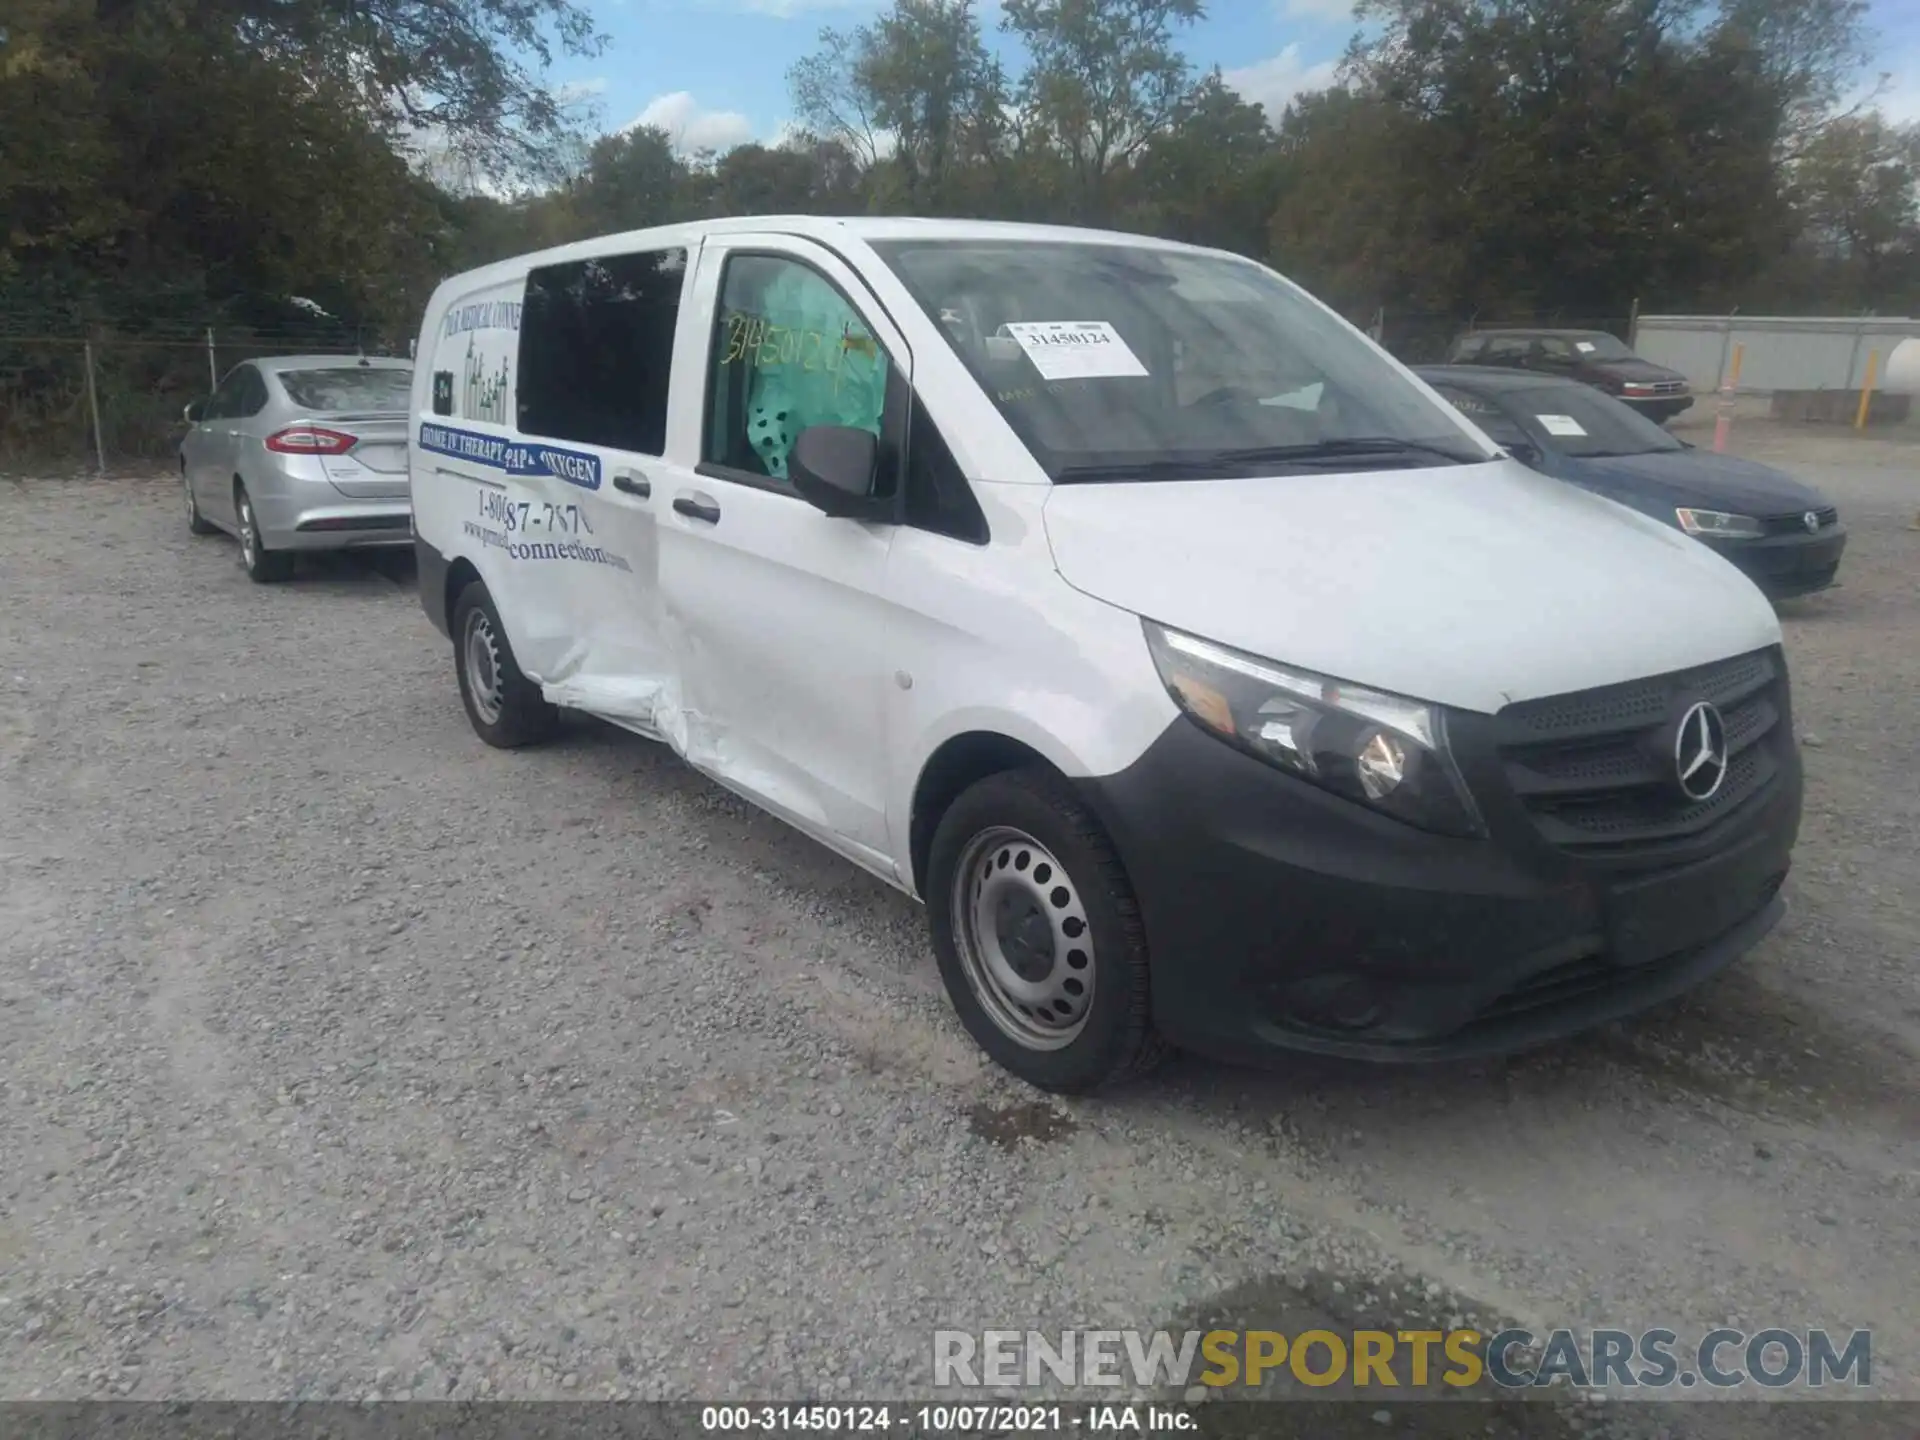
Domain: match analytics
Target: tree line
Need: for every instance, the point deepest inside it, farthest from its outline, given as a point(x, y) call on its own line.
point(176, 161)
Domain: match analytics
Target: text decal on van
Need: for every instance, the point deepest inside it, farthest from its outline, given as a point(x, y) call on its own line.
point(515, 457)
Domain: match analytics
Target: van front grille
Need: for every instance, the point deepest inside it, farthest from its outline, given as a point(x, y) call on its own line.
point(1595, 770)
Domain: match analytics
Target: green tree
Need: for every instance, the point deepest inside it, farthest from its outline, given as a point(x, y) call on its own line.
point(1577, 152)
point(1856, 188)
point(1104, 80)
point(633, 179)
point(1210, 176)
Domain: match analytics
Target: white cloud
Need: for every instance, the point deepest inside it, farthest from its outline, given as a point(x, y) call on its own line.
point(691, 126)
point(1335, 10)
point(1276, 80)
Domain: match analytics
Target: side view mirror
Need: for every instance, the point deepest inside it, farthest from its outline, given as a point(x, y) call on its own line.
point(195, 412)
point(833, 466)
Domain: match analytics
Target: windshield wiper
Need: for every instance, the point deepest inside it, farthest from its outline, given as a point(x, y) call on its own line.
point(1210, 465)
point(1205, 468)
point(1335, 450)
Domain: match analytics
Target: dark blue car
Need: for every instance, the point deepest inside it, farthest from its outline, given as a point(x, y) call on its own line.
point(1783, 533)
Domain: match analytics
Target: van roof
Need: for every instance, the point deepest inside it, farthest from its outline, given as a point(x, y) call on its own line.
point(827, 228)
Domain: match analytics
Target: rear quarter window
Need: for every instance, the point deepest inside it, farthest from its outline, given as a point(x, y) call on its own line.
point(596, 349)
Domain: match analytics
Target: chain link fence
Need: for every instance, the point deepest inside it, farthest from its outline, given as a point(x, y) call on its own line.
point(113, 399)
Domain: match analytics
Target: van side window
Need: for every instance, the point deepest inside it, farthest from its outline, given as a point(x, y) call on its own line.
point(789, 351)
point(596, 350)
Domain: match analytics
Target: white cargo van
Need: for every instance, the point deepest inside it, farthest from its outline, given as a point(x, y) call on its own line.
point(1212, 682)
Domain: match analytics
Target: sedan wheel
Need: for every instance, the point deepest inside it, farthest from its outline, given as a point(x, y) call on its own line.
point(197, 523)
point(263, 566)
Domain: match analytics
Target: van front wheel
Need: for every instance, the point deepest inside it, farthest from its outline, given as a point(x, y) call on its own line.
point(1038, 936)
point(505, 708)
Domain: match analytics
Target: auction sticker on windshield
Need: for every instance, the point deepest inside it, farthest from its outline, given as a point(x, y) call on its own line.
point(1561, 425)
point(1076, 349)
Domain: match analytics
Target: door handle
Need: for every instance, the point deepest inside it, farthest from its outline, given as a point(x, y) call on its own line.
point(630, 484)
point(697, 509)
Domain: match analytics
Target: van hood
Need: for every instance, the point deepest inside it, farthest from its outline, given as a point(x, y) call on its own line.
point(1472, 586)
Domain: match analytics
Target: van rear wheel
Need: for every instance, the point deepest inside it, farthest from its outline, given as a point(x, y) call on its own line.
point(505, 708)
point(1038, 936)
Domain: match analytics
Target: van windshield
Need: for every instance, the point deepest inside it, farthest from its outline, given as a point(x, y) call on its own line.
point(1117, 362)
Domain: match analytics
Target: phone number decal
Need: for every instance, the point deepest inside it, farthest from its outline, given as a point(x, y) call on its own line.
point(514, 457)
point(541, 515)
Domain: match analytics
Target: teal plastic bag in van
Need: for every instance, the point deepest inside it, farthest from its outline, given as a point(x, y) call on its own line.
point(818, 365)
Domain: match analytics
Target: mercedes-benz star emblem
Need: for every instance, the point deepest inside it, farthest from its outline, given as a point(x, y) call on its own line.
point(1700, 752)
point(1812, 519)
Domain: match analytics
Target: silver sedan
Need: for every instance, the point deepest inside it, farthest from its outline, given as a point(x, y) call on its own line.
point(301, 452)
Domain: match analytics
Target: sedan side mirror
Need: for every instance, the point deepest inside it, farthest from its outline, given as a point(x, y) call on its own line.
point(833, 468)
point(195, 412)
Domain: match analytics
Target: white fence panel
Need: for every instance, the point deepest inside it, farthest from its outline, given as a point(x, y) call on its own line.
point(1781, 353)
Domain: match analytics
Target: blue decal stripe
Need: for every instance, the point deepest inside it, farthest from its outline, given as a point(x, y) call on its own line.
point(514, 457)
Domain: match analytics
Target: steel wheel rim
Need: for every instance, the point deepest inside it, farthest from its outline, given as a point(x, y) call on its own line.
point(1021, 930)
point(247, 539)
point(483, 667)
point(186, 489)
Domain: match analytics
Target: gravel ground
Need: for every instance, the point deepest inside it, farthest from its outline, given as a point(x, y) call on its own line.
point(341, 1056)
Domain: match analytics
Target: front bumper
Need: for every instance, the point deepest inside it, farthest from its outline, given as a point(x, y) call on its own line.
point(1658, 408)
point(1280, 917)
point(1784, 566)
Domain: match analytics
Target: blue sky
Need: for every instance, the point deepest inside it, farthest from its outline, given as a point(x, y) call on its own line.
point(712, 73)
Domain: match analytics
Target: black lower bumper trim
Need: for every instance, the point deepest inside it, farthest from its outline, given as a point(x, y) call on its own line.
point(1562, 1009)
point(1280, 917)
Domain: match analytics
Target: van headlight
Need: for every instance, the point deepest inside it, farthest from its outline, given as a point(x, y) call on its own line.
point(1718, 524)
point(1383, 751)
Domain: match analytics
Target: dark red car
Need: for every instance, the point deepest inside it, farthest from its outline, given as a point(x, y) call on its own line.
point(1592, 357)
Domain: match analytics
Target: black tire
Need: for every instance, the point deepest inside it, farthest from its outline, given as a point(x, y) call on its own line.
point(197, 523)
point(1114, 1039)
point(509, 711)
point(263, 566)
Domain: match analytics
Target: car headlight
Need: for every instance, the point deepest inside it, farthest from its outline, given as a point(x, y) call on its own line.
point(1383, 751)
point(1718, 524)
